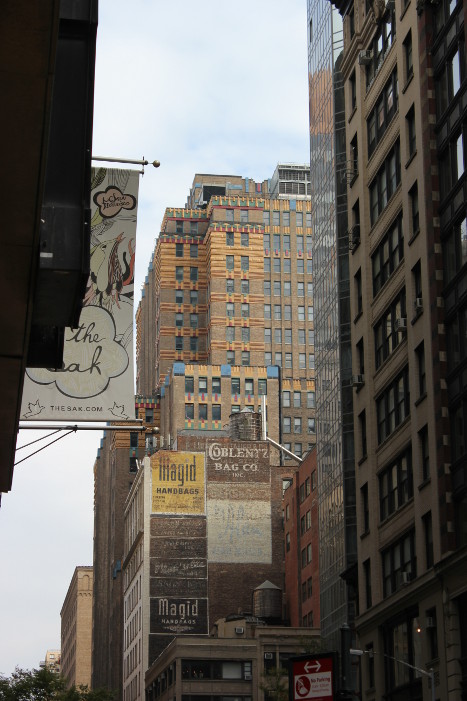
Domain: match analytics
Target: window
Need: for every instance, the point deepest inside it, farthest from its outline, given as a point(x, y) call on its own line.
point(286, 424)
point(179, 250)
point(277, 266)
point(455, 249)
point(298, 218)
point(288, 336)
point(276, 242)
point(424, 453)
point(245, 310)
point(267, 311)
point(395, 485)
point(276, 218)
point(249, 386)
point(449, 80)
point(301, 289)
point(229, 286)
point(365, 508)
point(432, 633)
point(388, 254)
point(229, 238)
point(297, 399)
point(308, 220)
point(287, 312)
point(286, 218)
point(179, 273)
point(178, 296)
point(278, 336)
point(266, 218)
point(230, 309)
point(267, 288)
point(393, 405)
point(189, 411)
point(193, 274)
point(411, 133)
point(367, 582)
point(408, 58)
point(179, 343)
point(286, 242)
point(380, 45)
point(278, 358)
point(229, 215)
point(371, 665)
point(202, 412)
point(179, 227)
point(358, 291)
point(301, 313)
point(216, 412)
point(286, 266)
point(194, 228)
point(193, 344)
point(310, 400)
point(202, 385)
point(287, 542)
point(267, 335)
point(245, 287)
point(230, 357)
point(302, 361)
point(399, 563)
point(420, 353)
point(194, 321)
point(245, 334)
point(216, 385)
point(414, 211)
point(277, 288)
point(179, 319)
point(310, 313)
point(402, 644)
point(428, 534)
point(353, 158)
point(262, 387)
point(193, 298)
point(268, 358)
point(311, 337)
point(277, 312)
point(235, 385)
point(300, 266)
point(244, 220)
point(301, 337)
point(386, 334)
point(311, 361)
point(230, 333)
point(245, 357)
point(363, 441)
point(417, 279)
point(382, 113)
point(229, 262)
point(311, 425)
point(353, 92)
point(288, 360)
point(245, 263)
point(385, 183)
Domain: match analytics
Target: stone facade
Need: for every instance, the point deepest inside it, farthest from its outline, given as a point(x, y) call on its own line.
point(76, 629)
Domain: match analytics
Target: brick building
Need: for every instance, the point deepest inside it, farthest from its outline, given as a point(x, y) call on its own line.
point(76, 629)
point(203, 529)
point(300, 507)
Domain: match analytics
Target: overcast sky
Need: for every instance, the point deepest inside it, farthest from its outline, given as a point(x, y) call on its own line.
point(211, 87)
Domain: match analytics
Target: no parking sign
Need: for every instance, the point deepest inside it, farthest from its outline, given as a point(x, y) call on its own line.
point(313, 677)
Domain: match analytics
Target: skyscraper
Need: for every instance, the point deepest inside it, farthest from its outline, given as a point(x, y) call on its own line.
point(334, 447)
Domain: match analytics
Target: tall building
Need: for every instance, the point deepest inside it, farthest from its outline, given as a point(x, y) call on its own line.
point(334, 410)
point(76, 629)
point(231, 284)
point(404, 69)
point(52, 661)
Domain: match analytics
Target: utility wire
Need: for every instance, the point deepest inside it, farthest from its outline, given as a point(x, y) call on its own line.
point(42, 438)
point(44, 447)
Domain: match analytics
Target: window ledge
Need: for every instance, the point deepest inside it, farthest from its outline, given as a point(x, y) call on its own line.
point(413, 237)
point(421, 399)
point(424, 484)
point(411, 157)
point(417, 316)
point(362, 460)
point(358, 317)
point(404, 10)
point(408, 81)
point(364, 534)
point(352, 114)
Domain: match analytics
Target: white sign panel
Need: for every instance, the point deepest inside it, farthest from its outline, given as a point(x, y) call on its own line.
point(96, 382)
point(239, 531)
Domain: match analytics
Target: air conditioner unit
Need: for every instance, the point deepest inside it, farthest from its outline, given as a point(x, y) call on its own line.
point(239, 630)
point(365, 57)
point(418, 304)
point(247, 676)
point(354, 236)
point(430, 622)
point(358, 380)
point(391, 5)
point(401, 324)
point(268, 655)
point(403, 579)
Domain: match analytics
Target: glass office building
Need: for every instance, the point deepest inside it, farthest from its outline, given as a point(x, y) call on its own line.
point(335, 450)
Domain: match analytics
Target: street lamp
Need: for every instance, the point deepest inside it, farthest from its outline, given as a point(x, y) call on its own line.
point(430, 674)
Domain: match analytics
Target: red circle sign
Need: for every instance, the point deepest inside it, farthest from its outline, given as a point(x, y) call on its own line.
point(302, 687)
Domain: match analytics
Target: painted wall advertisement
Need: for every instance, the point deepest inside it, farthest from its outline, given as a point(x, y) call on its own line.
point(178, 483)
point(96, 382)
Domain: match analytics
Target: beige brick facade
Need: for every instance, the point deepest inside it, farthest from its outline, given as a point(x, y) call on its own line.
point(76, 629)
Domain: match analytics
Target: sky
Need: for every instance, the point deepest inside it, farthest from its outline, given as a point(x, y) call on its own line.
point(204, 87)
